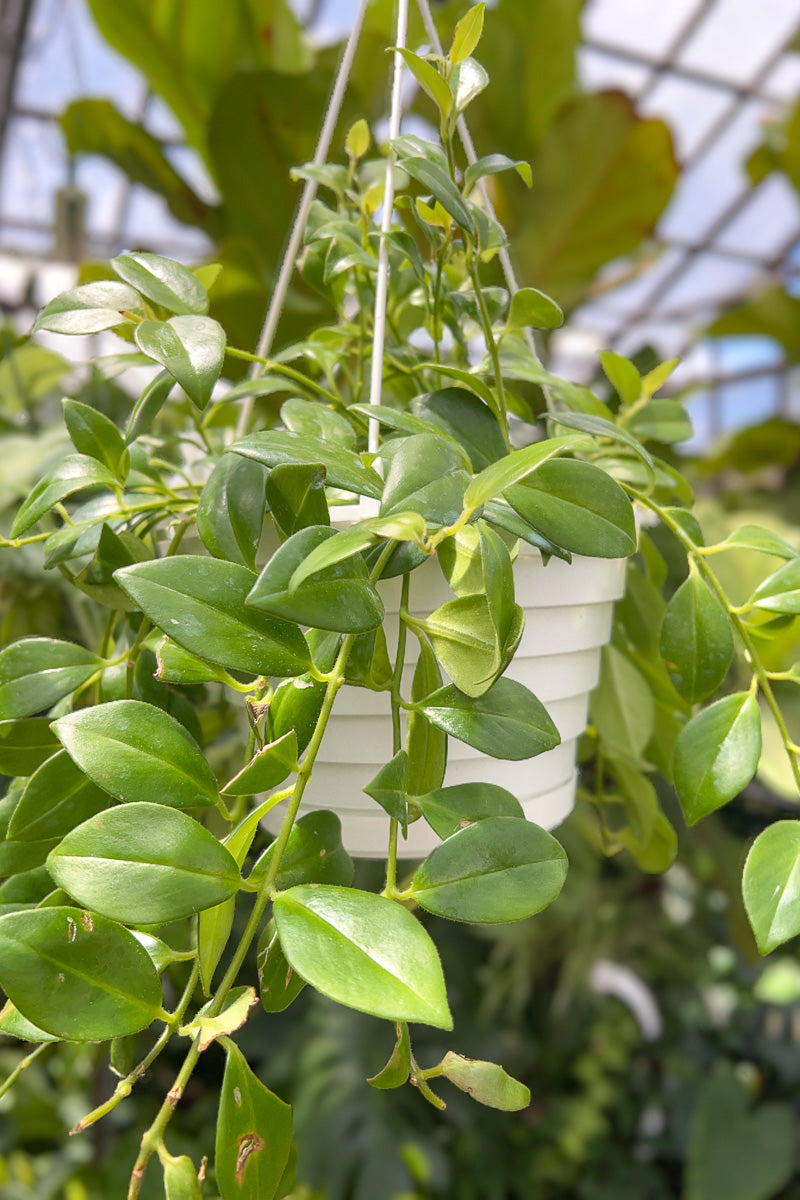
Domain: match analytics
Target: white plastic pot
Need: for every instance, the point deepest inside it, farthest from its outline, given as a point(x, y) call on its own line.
point(568, 615)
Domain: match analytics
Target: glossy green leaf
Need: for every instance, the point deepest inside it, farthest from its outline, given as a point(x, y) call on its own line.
point(717, 754)
point(578, 506)
point(345, 470)
point(429, 79)
point(214, 924)
point(532, 308)
point(465, 641)
point(340, 597)
point(176, 665)
point(363, 951)
point(90, 308)
point(467, 34)
point(441, 187)
point(469, 380)
point(296, 497)
point(771, 885)
point(622, 375)
point(467, 81)
point(268, 767)
point(192, 349)
point(496, 870)
point(144, 864)
point(148, 406)
point(601, 427)
point(402, 526)
point(163, 281)
point(279, 985)
point(93, 434)
point(696, 640)
point(462, 416)
point(75, 473)
point(77, 975)
point(780, 592)
point(493, 480)
point(506, 722)
point(25, 744)
point(493, 164)
point(755, 537)
point(398, 1068)
point(254, 1134)
point(113, 552)
point(137, 752)
point(230, 512)
point(57, 797)
point(200, 602)
point(501, 516)
point(447, 810)
point(389, 788)
point(485, 1082)
point(296, 706)
point(425, 744)
point(425, 476)
point(13, 1024)
point(311, 417)
point(314, 854)
point(37, 672)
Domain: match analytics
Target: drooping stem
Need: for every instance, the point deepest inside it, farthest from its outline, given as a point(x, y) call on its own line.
point(397, 734)
point(22, 1065)
point(491, 346)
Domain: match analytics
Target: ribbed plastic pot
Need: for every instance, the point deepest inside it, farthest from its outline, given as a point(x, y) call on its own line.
point(568, 615)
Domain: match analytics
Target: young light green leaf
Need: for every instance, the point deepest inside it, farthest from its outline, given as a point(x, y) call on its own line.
point(254, 1134)
point(358, 138)
point(192, 349)
point(137, 752)
point(622, 375)
point(771, 885)
point(717, 754)
point(442, 188)
point(530, 307)
point(429, 79)
point(180, 1179)
point(75, 473)
point(363, 951)
point(90, 308)
point(447, 810)
point(467, 34)
point(200, 602)
point(654, 380)
point(230, 512)
point(77, 975)
point(163, 281)
point(57, 797)
point(36, 672)
point(505, 722)
point(496, 870)
point(493, 164)
point(485, 1082)
point(696, 640)
point(780, 592)
point(465, 641)
point(493, 480)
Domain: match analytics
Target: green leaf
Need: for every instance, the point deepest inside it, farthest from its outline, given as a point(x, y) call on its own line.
point(471, 381)
point(462, 416)
point(57, 797)
point(429, 79)
point(163, 281)
point(425, 744)
point(90, 308)
point(662, 421)
point(137, 752)
point(577, 506)
point(314, 854)
point(296, 706)
point(344, 468)
point(401, 527)
point(500, 516)
point(622, 707)
point(485, 1082)
point(180, 1179)
point(771, 885)
point(192, 349)
point(268, 767)
point(358, 139)
point(717, 754)
point(148, 406)
point(780, 592)
point(75, 473)
point(442, 188)
point(36, 672)
point(77, 975)
point(505, 722)
point(316, 420)
point(696, 640)
point(144, 864)
point(467, 34)
point(465, 640)
point(176, 665)
point(602, 427)
point(230, 513)
point(25, 744)
point(425, 476)
point(296, 497)
point(363, 951)
point(755, 537)
point(496, 870)
point(340, 597)
point(398, 1068)
point(530, 307)
point(493, 480)
point(13, 1024)
point(200, 602)
point(493, 164)
point(94, 435)
point(278, 983)
point(254, 1134)
point(622, 375)
point(447, 810)
point(389, 788)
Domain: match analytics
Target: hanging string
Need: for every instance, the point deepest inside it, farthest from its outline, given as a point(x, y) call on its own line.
point(270, 326)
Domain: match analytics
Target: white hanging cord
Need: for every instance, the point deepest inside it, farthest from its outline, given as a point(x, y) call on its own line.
point(307, 198)
point(381, 285)
point(465, 138)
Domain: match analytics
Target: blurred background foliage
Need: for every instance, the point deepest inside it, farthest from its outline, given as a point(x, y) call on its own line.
point(686, 1081)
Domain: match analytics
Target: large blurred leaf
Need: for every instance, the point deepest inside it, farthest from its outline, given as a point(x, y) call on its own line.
point(772, 313)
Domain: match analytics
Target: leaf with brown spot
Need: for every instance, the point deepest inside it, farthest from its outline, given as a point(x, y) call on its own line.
point(254, 1133)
